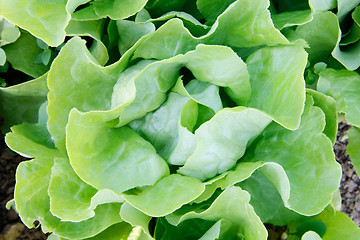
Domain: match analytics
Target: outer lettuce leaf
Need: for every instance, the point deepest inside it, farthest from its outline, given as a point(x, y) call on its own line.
point(117, 9)
point(74, 75)
point(312, 186)
point(169, 40)
point(345, 6)
point(328, 225)
point(137, 219)
point(268, 198)
point(167, 195)
point(212, 9)
point(130, 32)
point(240, 33)
point(277, 192)
point(21, 103)
point(99, 154)
point(45, 20)
point(321, 38)
point(277, 83)
point(188, 229)
point(192, 24)
point(292, 14)
point(221, 141)
point(26, 47)
point(251, 26)
point(232, 206)
point(349, 57)
point(91, 29)
point(35, 197)
point(159, 7)
point(353, 147)
point(343, 86)
point(30, 140)
point(324, 4)
point(117, 231)
point(328, 106)
point(243, 171)
point(338, 226)
point(69, 195)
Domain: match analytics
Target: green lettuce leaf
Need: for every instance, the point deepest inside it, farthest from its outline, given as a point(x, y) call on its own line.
point(221, 141)
point(72, 68)
point(45, 20)
point(298, 152)
point(232, 206)
point(321, 38)
point(353, 147)
point(343, 86)
point(117, 9)
point(328, 106)
point(21, 103)
point(167, 195)
point(328, 225)
point(120, 154)
point(91, 29)
point(277, 83)
point(27, 47)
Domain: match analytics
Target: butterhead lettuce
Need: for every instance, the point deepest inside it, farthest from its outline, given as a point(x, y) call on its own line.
point(179, 119)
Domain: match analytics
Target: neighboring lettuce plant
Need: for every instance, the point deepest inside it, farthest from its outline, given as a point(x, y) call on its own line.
point(181, 119)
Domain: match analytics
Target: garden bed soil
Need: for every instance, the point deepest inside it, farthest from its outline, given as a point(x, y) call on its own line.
point(11, 227)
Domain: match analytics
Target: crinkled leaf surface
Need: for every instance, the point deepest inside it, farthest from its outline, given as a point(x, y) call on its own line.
point(277, 83)
point(69, 195)
point(221, 141)
point(298, 152)
point(220, 66)
point(74, 75)
point(251, 26)
point(163, 129)
point(35, 197)
point(99, 154)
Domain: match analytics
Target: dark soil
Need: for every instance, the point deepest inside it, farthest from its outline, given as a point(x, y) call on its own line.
point(11, 227)
point(350, 182)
